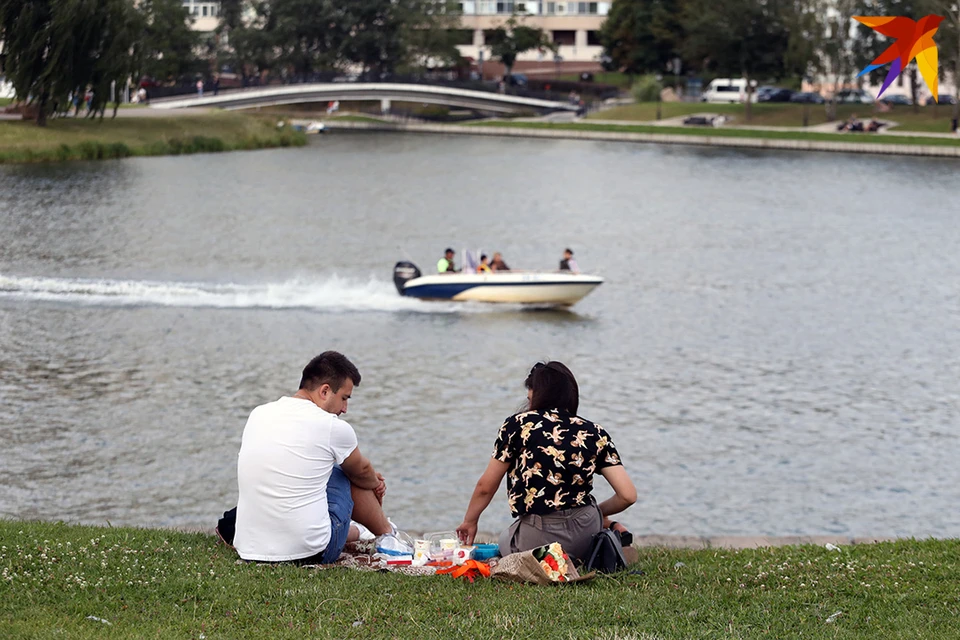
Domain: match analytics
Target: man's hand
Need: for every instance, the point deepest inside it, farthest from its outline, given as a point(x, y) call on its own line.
point(381, 489)
point(467, 531)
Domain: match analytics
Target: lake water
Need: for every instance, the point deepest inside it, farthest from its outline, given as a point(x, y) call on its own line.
point(775, 349)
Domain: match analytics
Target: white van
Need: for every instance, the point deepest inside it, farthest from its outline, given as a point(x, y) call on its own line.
point(729, 90)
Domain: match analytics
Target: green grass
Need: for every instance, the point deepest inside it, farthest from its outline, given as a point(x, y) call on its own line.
point(5, 101)
point(728, 132)
point(81, 139)
point(784, 114)
point(54, 579)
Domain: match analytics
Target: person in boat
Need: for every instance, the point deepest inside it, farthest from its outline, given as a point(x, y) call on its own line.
point(484, 266)
point(550, 456)
point(301, 476)
point(569, 263)
point(445, 264)
point(497, 263)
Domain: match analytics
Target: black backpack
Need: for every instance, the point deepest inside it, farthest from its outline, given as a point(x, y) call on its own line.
point(606, 553)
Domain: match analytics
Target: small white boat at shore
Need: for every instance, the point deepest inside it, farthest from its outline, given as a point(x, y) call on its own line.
point(546, 288)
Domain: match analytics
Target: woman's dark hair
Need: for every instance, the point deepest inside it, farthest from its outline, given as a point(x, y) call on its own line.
point(553, 386)
point(330, 367)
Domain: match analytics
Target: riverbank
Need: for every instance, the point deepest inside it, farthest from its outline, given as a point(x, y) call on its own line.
point(84, 582)
point(81, 139)
point(918, 145)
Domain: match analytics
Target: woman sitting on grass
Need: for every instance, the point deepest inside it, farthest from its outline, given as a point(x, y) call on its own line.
point(550, 455)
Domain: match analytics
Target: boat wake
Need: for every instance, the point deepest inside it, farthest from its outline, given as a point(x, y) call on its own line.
point(325, 294)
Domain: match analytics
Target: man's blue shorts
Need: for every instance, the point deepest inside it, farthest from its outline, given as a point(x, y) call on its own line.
point(340, 508)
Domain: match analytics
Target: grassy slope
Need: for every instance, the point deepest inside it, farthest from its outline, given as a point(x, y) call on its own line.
point(785, 114)
point(148, 135)
point(164, 584)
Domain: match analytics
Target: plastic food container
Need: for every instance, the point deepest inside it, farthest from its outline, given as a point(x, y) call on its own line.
point(442, 544)
point(485, 551)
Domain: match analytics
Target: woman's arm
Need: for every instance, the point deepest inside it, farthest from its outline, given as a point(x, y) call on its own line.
point(624, 493)
point(487, 485)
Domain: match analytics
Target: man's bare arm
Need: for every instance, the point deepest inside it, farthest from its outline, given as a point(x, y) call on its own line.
point(359, 470)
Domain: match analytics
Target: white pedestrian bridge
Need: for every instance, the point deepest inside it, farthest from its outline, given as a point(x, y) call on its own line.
point(362, 91)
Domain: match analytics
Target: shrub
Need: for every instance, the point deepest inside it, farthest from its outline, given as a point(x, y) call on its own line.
point(647, 89)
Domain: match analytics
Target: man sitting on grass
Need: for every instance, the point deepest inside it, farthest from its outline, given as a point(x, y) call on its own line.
point(301, 476)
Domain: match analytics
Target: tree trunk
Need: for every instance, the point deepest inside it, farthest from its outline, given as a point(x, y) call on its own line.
point(913, 90)
point(42, 109)
point(747, 111)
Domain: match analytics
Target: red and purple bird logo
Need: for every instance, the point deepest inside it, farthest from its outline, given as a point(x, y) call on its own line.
point(914, 39)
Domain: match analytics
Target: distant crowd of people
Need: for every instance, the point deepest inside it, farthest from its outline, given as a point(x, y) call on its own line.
point(488, 265)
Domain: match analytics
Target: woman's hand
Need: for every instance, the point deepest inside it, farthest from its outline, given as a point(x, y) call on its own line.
point(467, 531)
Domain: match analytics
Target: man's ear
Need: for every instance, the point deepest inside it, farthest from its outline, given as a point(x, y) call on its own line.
point(324, 391)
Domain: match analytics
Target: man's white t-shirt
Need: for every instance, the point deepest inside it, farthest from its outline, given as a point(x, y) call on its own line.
point(287, 454)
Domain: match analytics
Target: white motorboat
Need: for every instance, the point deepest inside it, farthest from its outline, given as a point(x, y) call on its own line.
point(546, 288)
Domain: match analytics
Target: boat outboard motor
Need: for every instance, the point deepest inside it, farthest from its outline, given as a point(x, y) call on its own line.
point(403, 271)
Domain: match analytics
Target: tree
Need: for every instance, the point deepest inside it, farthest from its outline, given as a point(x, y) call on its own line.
point(169, 43)
point(837, 51)
point(745, 38)
point(642, 36)
point(511, 39)
point(56, 49)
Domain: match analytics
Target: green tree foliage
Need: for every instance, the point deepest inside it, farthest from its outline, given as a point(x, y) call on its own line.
point(169, 44)
point(641, 36)
point(300, 37)
point(512, 38)
point(57, 49)
point(738, 38)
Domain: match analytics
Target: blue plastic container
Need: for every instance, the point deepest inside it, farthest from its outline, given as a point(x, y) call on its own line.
point(486, 551)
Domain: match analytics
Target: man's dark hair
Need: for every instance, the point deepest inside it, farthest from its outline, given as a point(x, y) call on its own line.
point(330, 367)
point(554, 387)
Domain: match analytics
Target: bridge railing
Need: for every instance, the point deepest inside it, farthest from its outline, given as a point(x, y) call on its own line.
point(540, 92)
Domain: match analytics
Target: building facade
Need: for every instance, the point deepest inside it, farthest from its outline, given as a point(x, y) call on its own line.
point(206, 14)
point(573, 26)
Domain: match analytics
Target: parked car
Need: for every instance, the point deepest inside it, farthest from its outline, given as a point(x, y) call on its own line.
point(853, 96)
point(777, 95)
point(516, 80)
point(895, 99)
point(943, 98)
point(808, 97)
point(730, 90)
point(765, 89)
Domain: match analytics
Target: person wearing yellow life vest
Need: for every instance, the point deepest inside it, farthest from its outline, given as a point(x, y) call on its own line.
point(484, 266)
point(445, 264)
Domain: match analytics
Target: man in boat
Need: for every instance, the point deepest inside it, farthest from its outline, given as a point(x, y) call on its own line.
point(497, 264)
point(304, 485)
point(445, 264)
point(569, 263)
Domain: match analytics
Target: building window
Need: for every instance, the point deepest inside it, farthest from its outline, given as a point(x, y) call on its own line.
point(462, 36)
point(565, 37)
point(505, 7)
point(521, 7)
point(593, 39)
point(204, 11)
point(592, 8)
